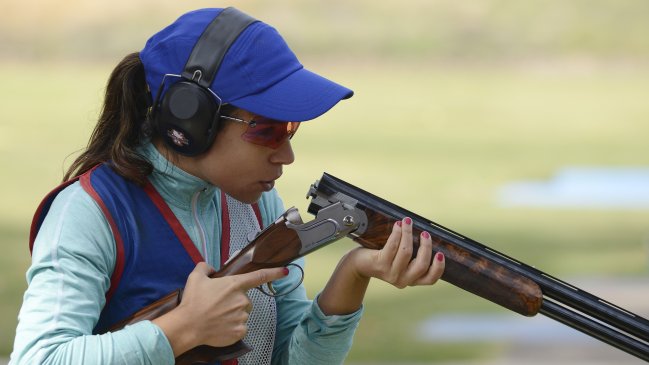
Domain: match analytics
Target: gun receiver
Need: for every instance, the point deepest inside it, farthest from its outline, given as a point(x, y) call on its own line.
point(490, 274)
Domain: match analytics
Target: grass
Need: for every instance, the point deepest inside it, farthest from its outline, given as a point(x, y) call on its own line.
point(436, 139)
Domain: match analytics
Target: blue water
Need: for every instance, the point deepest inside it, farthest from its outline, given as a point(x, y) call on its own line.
point(582, 187)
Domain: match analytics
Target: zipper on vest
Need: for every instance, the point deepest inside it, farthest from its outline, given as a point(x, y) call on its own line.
point(201, 230)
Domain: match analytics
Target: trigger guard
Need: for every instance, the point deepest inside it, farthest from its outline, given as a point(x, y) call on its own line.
point(291, 289)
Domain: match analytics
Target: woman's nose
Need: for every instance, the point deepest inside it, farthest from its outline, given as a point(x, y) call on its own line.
point(284, 154)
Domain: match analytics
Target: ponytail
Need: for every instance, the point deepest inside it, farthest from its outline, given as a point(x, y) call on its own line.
point(122, 125)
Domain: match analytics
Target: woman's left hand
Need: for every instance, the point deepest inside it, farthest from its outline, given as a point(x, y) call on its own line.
point(394, 264)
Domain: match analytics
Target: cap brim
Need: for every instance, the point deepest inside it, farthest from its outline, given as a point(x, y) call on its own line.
point(301, 96)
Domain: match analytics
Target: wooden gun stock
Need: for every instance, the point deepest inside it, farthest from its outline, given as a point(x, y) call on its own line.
point(275, 246)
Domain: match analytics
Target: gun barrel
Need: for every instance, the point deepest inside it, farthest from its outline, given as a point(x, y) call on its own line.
point(605, 333)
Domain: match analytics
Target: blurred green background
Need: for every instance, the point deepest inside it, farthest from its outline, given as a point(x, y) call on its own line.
point(453, 100)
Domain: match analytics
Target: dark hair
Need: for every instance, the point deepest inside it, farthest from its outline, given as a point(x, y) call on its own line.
point(122, 125)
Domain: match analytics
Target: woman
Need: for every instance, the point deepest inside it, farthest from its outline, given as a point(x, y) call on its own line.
point(177, 176)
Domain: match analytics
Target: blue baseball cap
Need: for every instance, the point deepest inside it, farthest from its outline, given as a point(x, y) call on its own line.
point(259, 72)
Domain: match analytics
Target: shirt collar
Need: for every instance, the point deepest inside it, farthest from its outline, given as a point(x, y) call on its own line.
point(176, 186)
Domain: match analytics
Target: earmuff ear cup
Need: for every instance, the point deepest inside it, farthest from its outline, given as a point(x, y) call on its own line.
point(187, 118)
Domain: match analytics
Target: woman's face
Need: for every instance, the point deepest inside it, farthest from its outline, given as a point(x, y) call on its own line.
point(241, 169)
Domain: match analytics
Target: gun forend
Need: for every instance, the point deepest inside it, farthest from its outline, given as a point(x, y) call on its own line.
point(466, 267)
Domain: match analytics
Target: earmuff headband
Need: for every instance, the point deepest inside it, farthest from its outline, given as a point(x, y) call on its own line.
point(214, 43)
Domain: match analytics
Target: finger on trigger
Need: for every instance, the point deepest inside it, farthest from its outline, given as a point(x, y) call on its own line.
point(256, 278)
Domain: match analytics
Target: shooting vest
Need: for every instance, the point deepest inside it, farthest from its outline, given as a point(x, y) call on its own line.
point(154, 254)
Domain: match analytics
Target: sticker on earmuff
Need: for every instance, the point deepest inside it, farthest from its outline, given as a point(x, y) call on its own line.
point(177, 137)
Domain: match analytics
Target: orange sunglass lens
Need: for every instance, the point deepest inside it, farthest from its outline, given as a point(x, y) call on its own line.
point(270, 133)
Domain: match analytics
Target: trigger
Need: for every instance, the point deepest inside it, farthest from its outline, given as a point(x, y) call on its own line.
point(269, 285)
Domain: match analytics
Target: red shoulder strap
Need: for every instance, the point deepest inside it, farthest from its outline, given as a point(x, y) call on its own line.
point(119, 243)
point(45, 204)
point(175, 225)
point(43, 208)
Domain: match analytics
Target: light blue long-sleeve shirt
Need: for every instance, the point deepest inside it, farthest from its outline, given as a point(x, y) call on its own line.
point(74, 257)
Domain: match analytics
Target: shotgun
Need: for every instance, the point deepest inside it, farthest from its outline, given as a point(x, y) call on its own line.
point(343, 210)
point(490, 274)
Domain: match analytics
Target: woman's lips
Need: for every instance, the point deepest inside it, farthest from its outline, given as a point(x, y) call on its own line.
point(268, 185)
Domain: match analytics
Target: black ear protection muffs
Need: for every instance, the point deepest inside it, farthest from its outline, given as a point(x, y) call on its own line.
point(187, 117)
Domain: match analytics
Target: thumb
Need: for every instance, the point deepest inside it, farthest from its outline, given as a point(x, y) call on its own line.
point(256, 278)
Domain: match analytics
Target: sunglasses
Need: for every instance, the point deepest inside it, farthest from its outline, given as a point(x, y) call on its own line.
point(266, 132)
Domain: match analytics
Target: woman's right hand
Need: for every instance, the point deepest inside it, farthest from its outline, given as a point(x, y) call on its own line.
point(213, 311)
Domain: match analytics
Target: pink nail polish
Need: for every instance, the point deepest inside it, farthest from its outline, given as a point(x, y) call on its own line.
point(439, 256)
point(286, 271)
point(425, 234)
point(398, 223)
point(408, 221)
